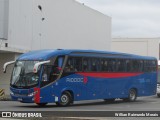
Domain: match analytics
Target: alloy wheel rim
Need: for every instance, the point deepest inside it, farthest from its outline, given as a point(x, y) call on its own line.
point(64, 98)
point(132, 95)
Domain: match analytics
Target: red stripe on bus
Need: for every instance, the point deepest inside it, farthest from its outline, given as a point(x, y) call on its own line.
point(109, 75)
point(37, 95)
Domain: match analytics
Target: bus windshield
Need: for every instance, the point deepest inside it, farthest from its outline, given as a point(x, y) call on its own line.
point(23, 75)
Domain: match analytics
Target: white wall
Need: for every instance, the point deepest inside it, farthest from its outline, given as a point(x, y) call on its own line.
point(139, 46)
point(20, 24)
point(67, 24)
point(1, 17)
point(4, 19)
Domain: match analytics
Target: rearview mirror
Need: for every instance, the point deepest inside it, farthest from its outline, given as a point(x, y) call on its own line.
point(36, 66)
point(6, 64)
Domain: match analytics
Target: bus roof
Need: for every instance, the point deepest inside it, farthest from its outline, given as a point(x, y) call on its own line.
point(46, 54)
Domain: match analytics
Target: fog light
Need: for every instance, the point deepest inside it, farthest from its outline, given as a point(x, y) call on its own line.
point(11, 93)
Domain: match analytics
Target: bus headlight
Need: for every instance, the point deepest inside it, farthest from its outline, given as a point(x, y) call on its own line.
point(32, 94)
point(11, 93)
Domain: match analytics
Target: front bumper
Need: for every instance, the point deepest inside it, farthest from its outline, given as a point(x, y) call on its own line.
point(23, 95)
point(24, 99)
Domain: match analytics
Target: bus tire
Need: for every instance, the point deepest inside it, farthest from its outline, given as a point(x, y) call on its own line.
point(125, 99)
point(65, 99)
point(109, 100)
point(132, 95)
point(41, 104)
point(158, 95)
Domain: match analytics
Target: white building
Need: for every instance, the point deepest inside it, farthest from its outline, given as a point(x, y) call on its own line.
point(49, 24)
point(139, 46)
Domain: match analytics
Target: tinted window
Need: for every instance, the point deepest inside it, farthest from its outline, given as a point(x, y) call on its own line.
point(74, 64)
point(154, 65)
point(149, 65)
point(129, 65)
point(104, 64)
point(90, 64)
point(137, 65)
point(86, 64)
point(112, 65)
point(120, 65)
point(95, 64)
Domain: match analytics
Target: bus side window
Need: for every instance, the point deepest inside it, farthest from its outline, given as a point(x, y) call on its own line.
point(129, 65)
point(135, 65)
point(78, 64)
point(147, 66)
point(98, 64)
point(141, 66)
point(69, 65)
point(74, 64)
point(104, 65)
point(95, 64)
point(154, 66)
point(86, 64)
point(112, 65)
point(120, 65)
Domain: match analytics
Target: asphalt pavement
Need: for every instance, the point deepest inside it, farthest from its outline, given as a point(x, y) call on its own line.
point(151, 103)
point(91, 108)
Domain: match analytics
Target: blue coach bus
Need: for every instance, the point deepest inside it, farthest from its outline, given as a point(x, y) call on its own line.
point(65, 76)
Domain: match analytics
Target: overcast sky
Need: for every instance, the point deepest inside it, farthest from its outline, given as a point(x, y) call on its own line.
point(130, 18)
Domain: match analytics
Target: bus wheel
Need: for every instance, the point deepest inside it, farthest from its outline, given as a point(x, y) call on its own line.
point(132, 95)
point(158, 95)
point(66, 99)
point(41, 104)
point(109, 100)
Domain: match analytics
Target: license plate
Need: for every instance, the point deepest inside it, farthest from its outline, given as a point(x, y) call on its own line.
point(19, 99)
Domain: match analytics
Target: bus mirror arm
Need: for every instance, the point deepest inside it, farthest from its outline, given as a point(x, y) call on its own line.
point(6, 64)
point(36, 66)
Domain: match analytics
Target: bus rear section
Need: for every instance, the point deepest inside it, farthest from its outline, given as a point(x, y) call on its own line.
point(109, 78)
